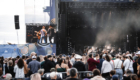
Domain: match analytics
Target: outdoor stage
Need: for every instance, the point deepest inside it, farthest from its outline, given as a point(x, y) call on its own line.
point(96, 23)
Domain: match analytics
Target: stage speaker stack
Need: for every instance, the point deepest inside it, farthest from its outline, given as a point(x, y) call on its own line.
point(63, 33)
point(16, 18)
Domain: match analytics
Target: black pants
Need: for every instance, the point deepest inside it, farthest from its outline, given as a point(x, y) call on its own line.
point(50, 38)
point(46, 39)
point(106, 75)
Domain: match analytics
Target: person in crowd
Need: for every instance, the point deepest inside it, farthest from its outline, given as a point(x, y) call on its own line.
point(79, 65)
point(60, 56)
point(5, 66)
point(8, 76)
point(43, 62)
point(49, 64)
point(123, 59)
point(127, 52)
point(41, 72)
point(107, 66)
point(19, 69)
point(135, 64)
point(84, 60)
point(11, 68)
point(25, 66)
point(1, 62)
point(68, 73)
point(34, 65)
point(128, 63)
point(63, 56)
point(67, 61)
point(134, 77)
point(13, 59)
point(101, 62)
point(92, 63)
point(36, 76)
point(1, 72)
point(58, 60)
point(127, 75)
point(96, 72)
point(53, 75)
point(115, 77)
point(97, 75)
point(27, 57)
point(72, 58)
point(138, 66)
point(49, 77)
point(30, 59)
point(38, 59)
point(41, 58)
point(54, 59)
point(61, 66)
point(73, 74)
point(118, 65)
point(112, 73)
point(2, 78)
point(17, 58)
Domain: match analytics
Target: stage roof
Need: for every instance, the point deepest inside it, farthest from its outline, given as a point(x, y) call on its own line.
point(100, 0)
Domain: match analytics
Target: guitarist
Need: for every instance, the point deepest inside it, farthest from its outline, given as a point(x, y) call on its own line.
point(38, 34)
point(43, 33)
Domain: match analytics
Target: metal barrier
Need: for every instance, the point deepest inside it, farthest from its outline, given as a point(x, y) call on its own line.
point(63, 75)
point(81, 74)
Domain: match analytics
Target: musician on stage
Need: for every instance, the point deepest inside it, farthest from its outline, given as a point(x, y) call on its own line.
point(43, 34)
point(50, 33)
point(38, 36)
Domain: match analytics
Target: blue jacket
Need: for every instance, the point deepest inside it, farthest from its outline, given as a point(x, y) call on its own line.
point(99, 66)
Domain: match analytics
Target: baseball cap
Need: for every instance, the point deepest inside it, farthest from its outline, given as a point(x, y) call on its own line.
point(78, 57)
point(33, 57)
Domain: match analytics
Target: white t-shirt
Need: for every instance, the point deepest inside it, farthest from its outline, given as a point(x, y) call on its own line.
point(42, 32)
point(19, 72)
point(128, 64)
point(107, 66)
point(72, 60)
point(117, 63)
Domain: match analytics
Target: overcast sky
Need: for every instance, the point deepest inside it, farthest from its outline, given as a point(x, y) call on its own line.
point(34, 11)
point(25, 9)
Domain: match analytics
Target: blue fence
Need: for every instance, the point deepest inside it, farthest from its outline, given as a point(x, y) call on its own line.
point(26, 49)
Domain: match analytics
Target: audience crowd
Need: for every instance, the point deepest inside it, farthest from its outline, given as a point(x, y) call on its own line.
point(102, 66)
